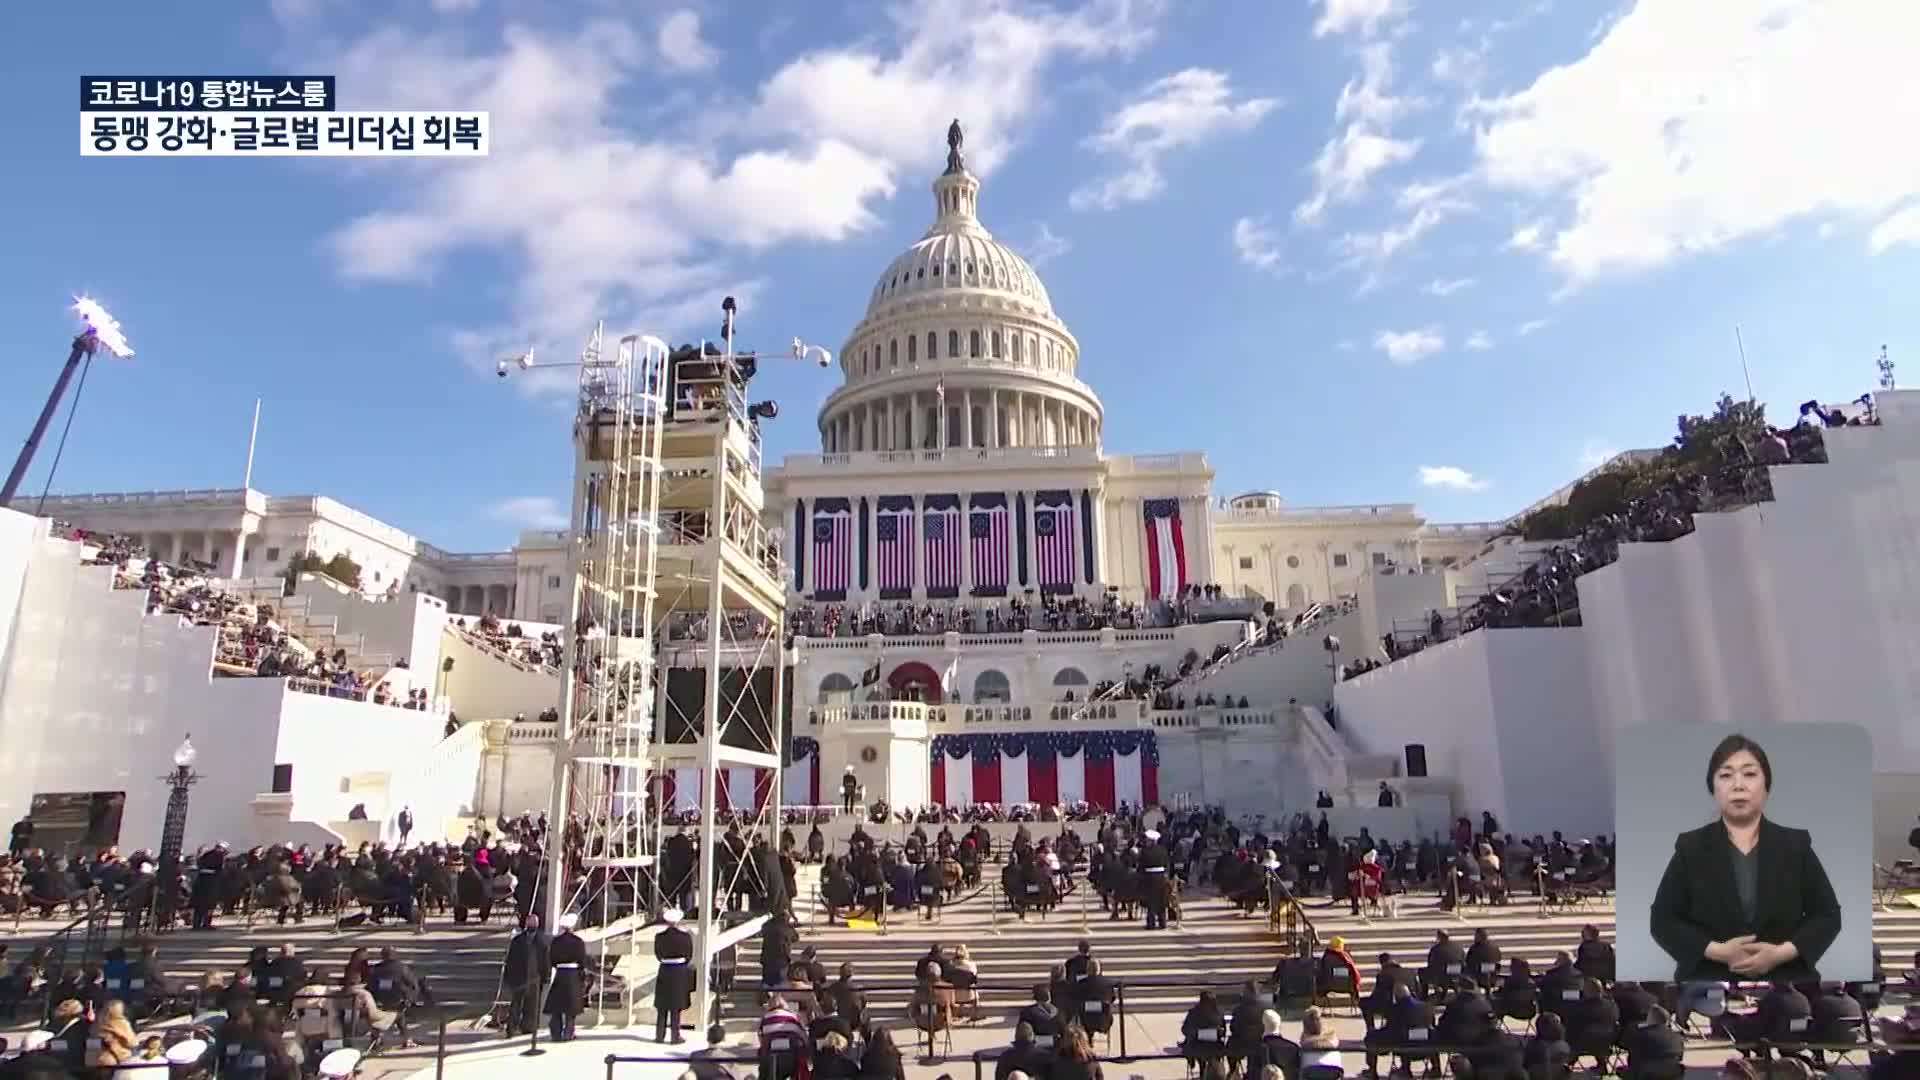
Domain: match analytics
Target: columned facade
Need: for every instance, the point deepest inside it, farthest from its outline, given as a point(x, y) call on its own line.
point(960, 349)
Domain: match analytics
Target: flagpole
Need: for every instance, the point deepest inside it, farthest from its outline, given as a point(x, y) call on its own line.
point(246, 481)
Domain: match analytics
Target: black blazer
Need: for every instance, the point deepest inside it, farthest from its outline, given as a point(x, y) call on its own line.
point(1698, 903)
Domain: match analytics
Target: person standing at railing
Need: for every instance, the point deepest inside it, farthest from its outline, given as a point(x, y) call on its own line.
point(567, 953)
point(673, 985)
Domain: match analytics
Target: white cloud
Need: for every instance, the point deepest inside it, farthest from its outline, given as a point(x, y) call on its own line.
point(680, 44)
point(452, 7)
point(1410, 346)
point(1427, 206)
point(1530, 327)
point(1479, 341)
point(1901, 228)
point(983, 61)
point(1366, 145)
point(1527, 237)
point(1691, 126)
point(1447, 286)
point(530, 512)
point(1181, 110)
point(1045, 247)
point(1255, 242)
point(594, 220)
point(1450, 477)
point(1365, 16)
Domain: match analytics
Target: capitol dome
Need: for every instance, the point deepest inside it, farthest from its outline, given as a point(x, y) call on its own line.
point(961, 320)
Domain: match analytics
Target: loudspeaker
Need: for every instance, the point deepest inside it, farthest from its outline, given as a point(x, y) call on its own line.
point(1296, 979)
point(1416, 759)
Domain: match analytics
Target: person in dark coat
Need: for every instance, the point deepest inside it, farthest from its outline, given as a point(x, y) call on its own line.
point(1654, 1048)
point(525, 974)
point(206, 884)
point(566, 995)
point(1156, 890)
point(398, 987)
point(673, 986)
point(470, 891)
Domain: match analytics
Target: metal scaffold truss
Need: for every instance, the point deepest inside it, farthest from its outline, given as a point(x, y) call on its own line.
point(601, 870)
point(675, 670)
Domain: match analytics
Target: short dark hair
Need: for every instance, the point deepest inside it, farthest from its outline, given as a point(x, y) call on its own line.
point(1732, 745)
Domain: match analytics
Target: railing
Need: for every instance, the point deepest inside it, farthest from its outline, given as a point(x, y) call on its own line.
point(532, 732)
point(1015, 456)
point(1233, 515)
point(148, 498)
point(484, 645)
point(1129, 712)
point(322, 688)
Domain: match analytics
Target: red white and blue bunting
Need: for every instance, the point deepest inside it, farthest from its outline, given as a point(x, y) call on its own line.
point(1104, 768)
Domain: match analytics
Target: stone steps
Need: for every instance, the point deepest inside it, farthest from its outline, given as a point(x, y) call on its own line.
point(1214, 944)
point(461, 963)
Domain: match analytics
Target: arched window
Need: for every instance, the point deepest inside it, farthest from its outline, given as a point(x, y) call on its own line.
point(1016, 348)
point(893, 353)
point(973, 344)
point(996, 345)
point(863, 360)
point(1070, 676)
point(835, 689)
point(1296, 596)
point(913, 348)
point(933, 345)
point(953, 343)
point(991, 687)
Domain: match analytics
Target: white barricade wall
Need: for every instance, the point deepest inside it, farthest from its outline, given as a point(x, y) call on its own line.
point(95, 695)
point(1506, 715)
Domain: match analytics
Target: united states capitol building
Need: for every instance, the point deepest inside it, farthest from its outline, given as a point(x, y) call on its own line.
point(967, 570)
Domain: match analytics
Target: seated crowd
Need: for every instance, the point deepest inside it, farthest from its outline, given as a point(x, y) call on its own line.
point(512, 641)
point(1452, 1008)
point(249, 641)
point(1052, 613)
point(1544, 594)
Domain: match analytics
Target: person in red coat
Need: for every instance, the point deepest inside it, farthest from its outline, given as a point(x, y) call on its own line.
point(1363, 882)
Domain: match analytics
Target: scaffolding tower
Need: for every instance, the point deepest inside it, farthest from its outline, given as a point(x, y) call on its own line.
point(674, 655)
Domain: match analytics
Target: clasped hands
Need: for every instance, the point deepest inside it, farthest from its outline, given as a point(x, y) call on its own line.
point(1749, 956)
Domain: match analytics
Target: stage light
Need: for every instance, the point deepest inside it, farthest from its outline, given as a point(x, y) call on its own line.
point(801, 350)
point(102, 325)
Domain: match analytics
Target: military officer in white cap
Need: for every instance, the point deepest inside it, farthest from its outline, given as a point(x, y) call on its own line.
point(1154, 886)
point(673, 986)
point(565, 997)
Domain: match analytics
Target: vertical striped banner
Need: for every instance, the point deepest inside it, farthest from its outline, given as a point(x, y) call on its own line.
point(832, 549)
point(1053, 540)
point(987, 544)
point(893, 543)
point(1166, 549)
point(940, 521)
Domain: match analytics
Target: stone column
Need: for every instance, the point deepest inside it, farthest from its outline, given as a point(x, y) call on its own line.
point(966, 418)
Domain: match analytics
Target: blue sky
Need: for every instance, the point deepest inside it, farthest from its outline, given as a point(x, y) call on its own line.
point(1355, 250)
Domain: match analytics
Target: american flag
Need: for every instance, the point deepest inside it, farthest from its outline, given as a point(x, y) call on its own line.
point(1053, 533)
point(943, 550)
point(987, 537)
point(832, 553)
point(894, 533)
